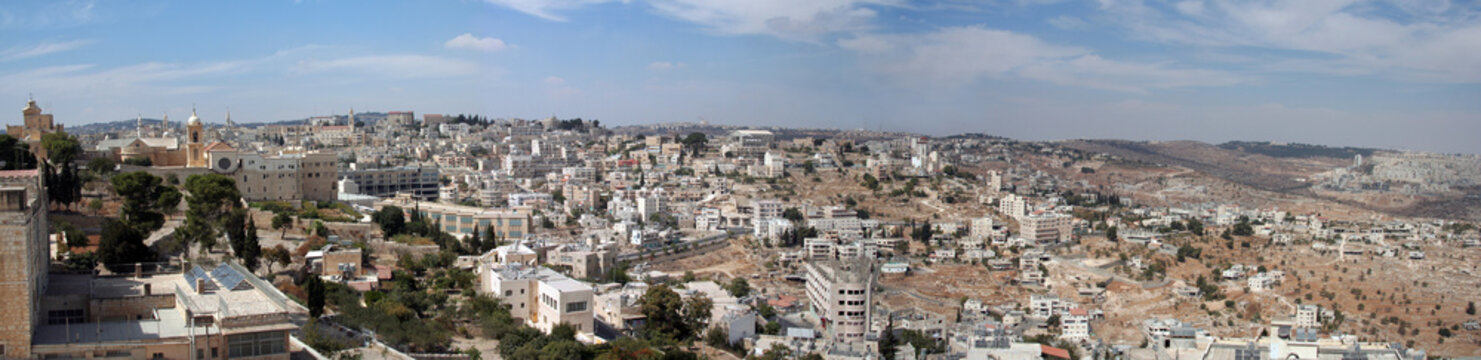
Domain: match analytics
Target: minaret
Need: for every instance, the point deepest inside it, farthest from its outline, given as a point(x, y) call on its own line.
point(352, 117)
point(139, 127)
point(228, 119)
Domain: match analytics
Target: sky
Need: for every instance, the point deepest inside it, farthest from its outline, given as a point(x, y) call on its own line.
point(1399, 74)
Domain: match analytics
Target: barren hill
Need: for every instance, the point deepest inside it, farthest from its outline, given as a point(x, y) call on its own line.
point(1256, 170)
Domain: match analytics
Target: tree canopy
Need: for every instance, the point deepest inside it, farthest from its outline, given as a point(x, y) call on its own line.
point(145, 200)
point(122, 243)
point(392, 220)
point(212, 200)
point(15, 154)
point(60, 147)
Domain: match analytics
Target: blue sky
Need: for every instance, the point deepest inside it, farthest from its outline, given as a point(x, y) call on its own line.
point(1383, 73)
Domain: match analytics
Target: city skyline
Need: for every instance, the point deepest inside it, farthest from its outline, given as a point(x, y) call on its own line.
point(1389, 74)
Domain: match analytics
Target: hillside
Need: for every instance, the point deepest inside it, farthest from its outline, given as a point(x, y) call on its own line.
point(1253, 169)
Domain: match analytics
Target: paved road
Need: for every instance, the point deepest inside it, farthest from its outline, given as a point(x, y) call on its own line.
point(697, 242)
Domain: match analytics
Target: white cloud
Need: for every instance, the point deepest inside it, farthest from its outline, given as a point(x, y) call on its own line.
point(469, 42)
point(787, 19)
point(954, 55)
point(22, 52)
point(555, 81)
point(1414, 40)
point(546, 9)
point(960, 55)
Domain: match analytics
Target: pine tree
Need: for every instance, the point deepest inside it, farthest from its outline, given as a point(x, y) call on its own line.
point(473, 241)
point(887, 341)
point(251, 249)
point(315, 291)
point(490, 239)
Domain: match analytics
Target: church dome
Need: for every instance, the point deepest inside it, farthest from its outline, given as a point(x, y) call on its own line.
point(194, 120)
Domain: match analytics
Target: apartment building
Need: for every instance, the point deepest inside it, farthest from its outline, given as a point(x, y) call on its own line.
point(496, 191)
point(541, 297)
point(771, 228)
point(766, 209)
point(839, 294)
point(1013, 206)
point(1075, 325)
point(282, 177)
point(584, 261)
point(1308, 316)
point(818, 249)
point(750, 143)
point(981, 228)
point(461, 220)
point(1046, 228)
point(387, 182)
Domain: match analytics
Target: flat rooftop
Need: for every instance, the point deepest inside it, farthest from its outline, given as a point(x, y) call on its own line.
point(169, 324)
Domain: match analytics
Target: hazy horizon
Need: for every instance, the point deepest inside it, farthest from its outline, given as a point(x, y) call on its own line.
point(1398, 74)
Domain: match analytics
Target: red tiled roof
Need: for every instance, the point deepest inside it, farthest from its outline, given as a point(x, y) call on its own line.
point(782, 301)
point(1079, 312)
point(1055, 352)
point(219, 146)
point(383, 272)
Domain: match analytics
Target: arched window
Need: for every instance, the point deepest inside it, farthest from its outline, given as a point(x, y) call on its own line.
point(195, 137)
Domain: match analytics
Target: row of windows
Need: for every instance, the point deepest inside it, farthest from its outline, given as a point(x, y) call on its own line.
point(258, 344)
point(850, 292)
point(468, 219)
point(851, 303)
point(843, 314)
point(576, 307)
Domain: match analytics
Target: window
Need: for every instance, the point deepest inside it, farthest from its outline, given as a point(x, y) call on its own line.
point(214, 354)
point(258, 344)
point(62, 317)
point(508, 292)
point(576, 306)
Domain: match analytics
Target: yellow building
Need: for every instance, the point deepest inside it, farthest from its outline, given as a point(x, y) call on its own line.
point(35, 125)
point(166, 150)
